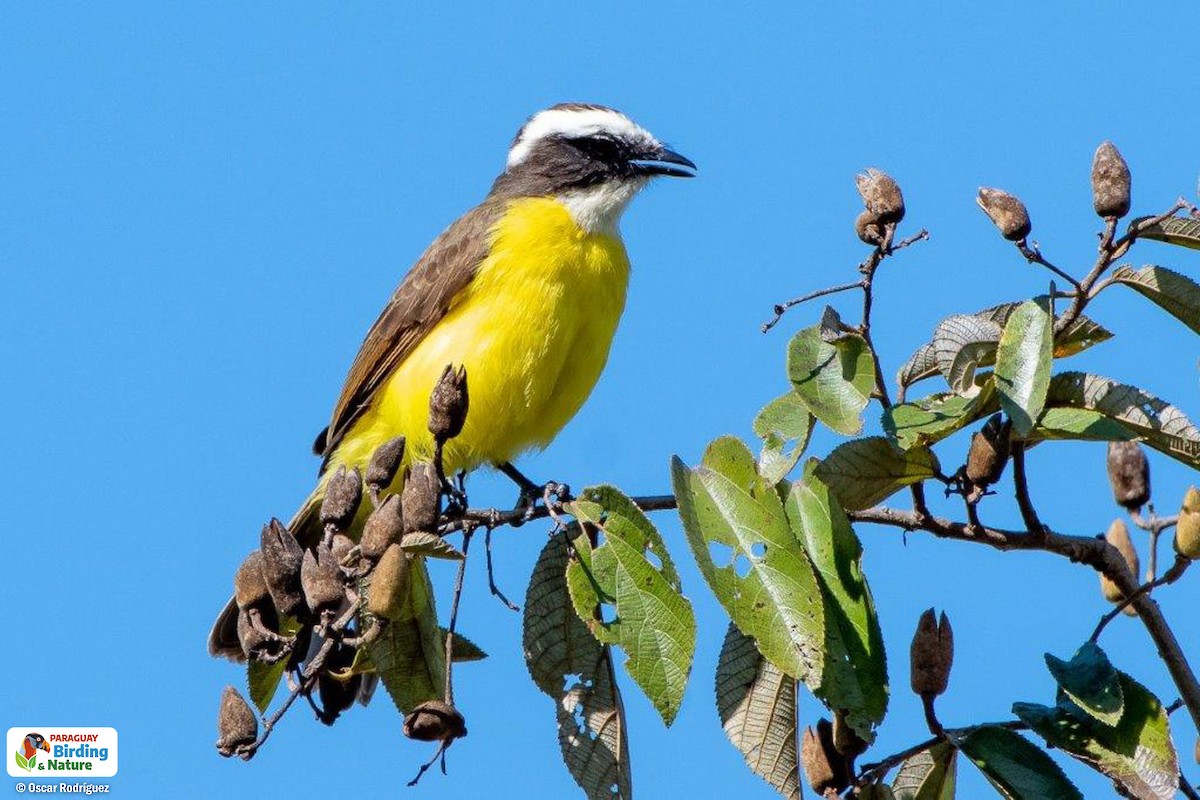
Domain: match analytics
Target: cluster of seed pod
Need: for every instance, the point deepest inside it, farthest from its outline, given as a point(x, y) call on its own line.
point(289, 593)
point(1111, 187)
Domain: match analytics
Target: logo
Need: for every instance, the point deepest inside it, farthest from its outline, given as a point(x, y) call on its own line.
point(27, 753)
point(62, 752)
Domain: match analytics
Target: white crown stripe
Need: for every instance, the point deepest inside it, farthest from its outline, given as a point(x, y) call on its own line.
point(573, 123)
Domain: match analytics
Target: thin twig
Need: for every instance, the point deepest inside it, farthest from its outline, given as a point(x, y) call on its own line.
point(1033, 254)
point(487, 549)
point(1170, 576)
point(1021, 484)
point(496, 518)
point(781, 308)
point(877, 769)
point(458, 589)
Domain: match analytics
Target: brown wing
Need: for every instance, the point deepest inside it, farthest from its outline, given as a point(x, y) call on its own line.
point(418, 304)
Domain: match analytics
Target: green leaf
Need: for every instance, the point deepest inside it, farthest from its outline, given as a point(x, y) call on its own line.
point(782, 422)
point(961, 344)
point(261, 678)
point(854, 678)
point(1017, 769)
point(933, 418)
point(1023, 363)
point(423, 543)
point(1079, 424)
point(23, 762)
point(757, 705)
point(833, 373)
point(1178, 294)
point(654, 622)
point(463, 649)
point(576, 672)
point(1160, 424)
point(775, 598)
point(863, 472)
point(1137, 753)
point(1179, 231)
point(1091, 681)
point(410, 653)
point(928, 775)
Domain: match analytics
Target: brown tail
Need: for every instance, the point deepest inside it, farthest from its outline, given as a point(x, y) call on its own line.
point(223, 639)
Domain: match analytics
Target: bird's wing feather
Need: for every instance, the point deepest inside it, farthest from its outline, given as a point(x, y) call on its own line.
point(418, 304)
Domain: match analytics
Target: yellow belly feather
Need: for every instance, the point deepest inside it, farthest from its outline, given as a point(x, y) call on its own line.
point(533, 329)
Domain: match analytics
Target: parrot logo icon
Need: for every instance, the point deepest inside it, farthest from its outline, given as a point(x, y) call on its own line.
point(27, 753)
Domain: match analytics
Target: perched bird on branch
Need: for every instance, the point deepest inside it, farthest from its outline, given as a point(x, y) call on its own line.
point(525, 291)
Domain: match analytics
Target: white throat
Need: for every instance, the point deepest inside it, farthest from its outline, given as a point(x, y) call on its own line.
point(598, 209)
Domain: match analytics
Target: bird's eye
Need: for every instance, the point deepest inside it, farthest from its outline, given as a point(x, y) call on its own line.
point(601, 147)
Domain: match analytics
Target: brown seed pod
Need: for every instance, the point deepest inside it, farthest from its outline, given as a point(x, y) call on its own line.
point(340, 547)
point(237, 727)
point(867, 226)
point(1128, 474)
point(342, 495)
point(421, 500)
point(931, 655)
point(321, 579)
point(434, 721)
point(337, 694)
point(249, 587)
point(989, 451)
point(881, 195)
point(1118, 536)
point(1006, 212)
point(1187, 529)
point(847, 742)
point(1110, 182)
point(824, 767)
point(384, 527)
point(282, 557)
point(385, 464)
point(253, 640)
point(389, 584)
point(448, 404)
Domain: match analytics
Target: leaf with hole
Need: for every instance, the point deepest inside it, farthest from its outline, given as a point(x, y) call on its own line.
point(1137, 753)
point(833, 375)
point(654, 623)
point(1018, 769)
point(1091, 681)
point(757, 704)
point(784, 425)
point(1158, 423)
point(1177, 294)
point(576, 672)
point(854, 678)
point(863, 472)
point(1023, 363)
point(732, 517)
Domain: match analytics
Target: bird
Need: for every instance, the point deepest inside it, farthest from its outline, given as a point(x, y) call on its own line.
point(524, 290)
point(32, 743)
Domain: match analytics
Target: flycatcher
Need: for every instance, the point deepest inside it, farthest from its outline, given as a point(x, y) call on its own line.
point(525, 290)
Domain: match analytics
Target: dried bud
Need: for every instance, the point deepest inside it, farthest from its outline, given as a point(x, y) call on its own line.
point(337, 694)
point(249, 587)
point(1006, 212)
point(384, 527)
point(321, 579)
point(385, 463)
point(1129, 474)
point(434, 721)
point(340, 547)
point(1118, 536)
point(989, 451)
point(931, 655)
point(448, 404)
point(237, 727)
point(1110, 182)
point(867, 226)
point(342, 495)
point(282, 557)
point(1187, 529)
point(881, 195)
point(421, 500)
point(389, 584)
point(847, 742)
point(824, 767)
point(253, 640)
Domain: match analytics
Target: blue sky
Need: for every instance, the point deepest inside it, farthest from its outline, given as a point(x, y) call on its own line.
point(202, 211)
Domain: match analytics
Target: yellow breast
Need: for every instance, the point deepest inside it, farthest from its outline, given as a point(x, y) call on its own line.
point(533, 328)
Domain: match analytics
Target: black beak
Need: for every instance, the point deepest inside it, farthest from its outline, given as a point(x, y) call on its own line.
point(665, 162)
